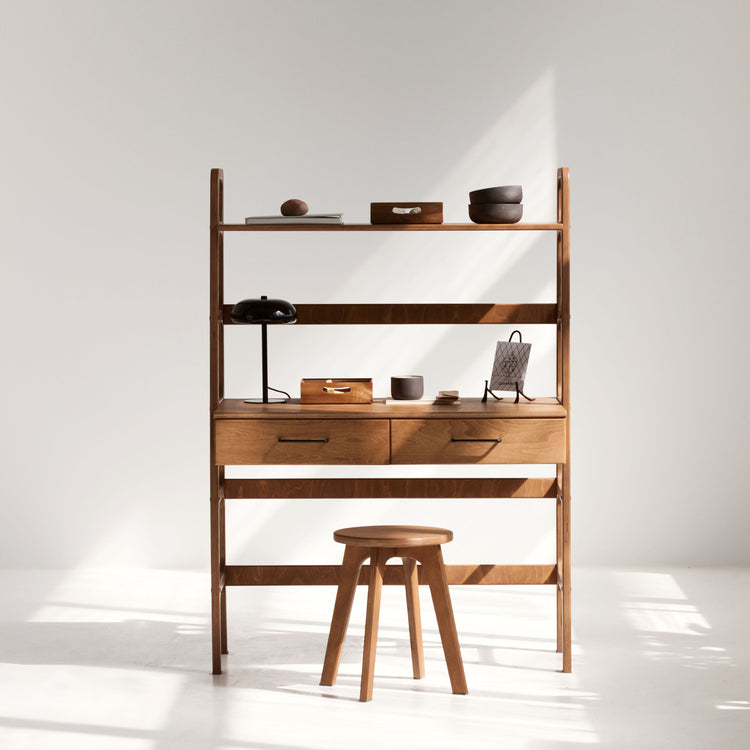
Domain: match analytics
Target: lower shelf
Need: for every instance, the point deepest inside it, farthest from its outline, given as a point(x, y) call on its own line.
point(328, 575)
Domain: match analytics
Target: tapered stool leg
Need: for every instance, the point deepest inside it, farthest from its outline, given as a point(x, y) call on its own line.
point(432, 560)
point(342, 609)
point(411, 581)
point(377, 569)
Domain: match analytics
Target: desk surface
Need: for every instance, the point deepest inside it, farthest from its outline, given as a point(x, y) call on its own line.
point(541, 408)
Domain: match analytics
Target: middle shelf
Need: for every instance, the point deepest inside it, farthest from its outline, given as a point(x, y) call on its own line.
point(419, 314)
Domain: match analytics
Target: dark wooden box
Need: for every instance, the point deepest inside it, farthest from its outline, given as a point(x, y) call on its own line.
point(406, 213)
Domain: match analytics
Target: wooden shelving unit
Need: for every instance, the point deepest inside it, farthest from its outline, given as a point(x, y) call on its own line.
point(367, 434)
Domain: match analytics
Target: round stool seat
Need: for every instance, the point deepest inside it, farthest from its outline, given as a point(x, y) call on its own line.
point(393, 536)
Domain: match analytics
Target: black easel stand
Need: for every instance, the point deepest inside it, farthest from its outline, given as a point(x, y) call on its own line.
point(519, 392)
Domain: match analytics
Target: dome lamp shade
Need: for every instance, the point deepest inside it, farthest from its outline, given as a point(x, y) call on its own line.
point(263, 311)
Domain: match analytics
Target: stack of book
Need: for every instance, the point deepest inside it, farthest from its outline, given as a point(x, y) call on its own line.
point(447, 397)
point(306, 219)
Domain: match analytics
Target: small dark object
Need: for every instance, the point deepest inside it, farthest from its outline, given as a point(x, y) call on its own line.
point(495, 213)
point(294, 207)
point(519, 392)
point(407, 388)
point(502, 194)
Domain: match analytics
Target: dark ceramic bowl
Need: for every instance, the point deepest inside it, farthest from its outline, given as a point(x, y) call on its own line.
point(495, 213)
point(407, 387)
point(503, 194)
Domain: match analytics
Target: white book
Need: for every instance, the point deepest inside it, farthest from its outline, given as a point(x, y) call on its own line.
point(306, 219)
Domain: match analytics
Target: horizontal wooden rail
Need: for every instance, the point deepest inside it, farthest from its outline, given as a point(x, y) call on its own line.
point(530, 227)
point(434, 487)
point(397, 314)
point(328, 575)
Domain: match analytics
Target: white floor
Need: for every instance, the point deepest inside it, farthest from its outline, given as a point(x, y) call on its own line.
point(88, 660)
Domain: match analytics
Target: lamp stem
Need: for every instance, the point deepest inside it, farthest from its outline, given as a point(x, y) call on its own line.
point(264, 356)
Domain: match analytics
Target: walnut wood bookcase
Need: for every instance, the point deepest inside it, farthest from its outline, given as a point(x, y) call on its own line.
point(535, 432)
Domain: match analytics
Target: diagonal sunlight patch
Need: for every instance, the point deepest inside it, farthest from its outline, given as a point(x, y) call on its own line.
point(520, 147)
point(77, 703)
point(670, 627)
point(103, 659)
point(655, 603)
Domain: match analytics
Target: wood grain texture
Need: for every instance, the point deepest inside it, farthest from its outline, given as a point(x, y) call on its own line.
point(348, 579)
point(329, 575)
point(221, 409)
point(418, 314)
point(435, 574)
point(216, 394)
point(430, 441)
point(335, 391)
point(372, 618)
point(565, 572)
point(458, 227)
point(381, 408)
point(414, 616)
point(393, 536)
point(429, 213)
point(222, 568)
point(239, 489)
point(217, 586)
point(264, 441)
point(559, 542)
point(433, 570)
point(563, 381)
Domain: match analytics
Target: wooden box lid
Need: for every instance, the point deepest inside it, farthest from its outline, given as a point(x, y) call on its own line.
point(336, 391)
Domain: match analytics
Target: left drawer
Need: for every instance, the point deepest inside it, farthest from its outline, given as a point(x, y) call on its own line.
point(302, 441)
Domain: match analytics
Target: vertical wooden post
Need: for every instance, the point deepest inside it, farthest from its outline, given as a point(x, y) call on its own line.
point(564, 639)
point(218, 522)
point(559, 558)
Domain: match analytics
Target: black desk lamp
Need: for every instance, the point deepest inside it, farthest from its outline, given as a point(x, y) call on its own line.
point(264, 312)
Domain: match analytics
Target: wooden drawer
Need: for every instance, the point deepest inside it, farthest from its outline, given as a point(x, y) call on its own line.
point(472, 441)
point(302, 441)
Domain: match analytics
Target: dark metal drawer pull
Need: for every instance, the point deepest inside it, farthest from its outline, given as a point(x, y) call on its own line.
point(303, 440)
point(476, 440)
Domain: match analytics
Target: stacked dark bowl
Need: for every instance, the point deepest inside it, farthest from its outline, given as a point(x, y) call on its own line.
point(496, 205)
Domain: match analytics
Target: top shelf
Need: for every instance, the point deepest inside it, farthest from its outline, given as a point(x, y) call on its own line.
point(388, 227)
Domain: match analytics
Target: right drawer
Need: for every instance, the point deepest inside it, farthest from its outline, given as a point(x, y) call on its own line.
point(477, 441)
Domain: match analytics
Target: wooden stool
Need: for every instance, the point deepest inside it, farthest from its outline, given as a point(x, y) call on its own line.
point(412, 544)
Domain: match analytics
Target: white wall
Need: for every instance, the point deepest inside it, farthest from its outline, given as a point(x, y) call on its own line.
point(113, 115)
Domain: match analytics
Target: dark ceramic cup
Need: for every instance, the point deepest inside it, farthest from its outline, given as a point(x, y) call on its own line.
point(407, 387)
